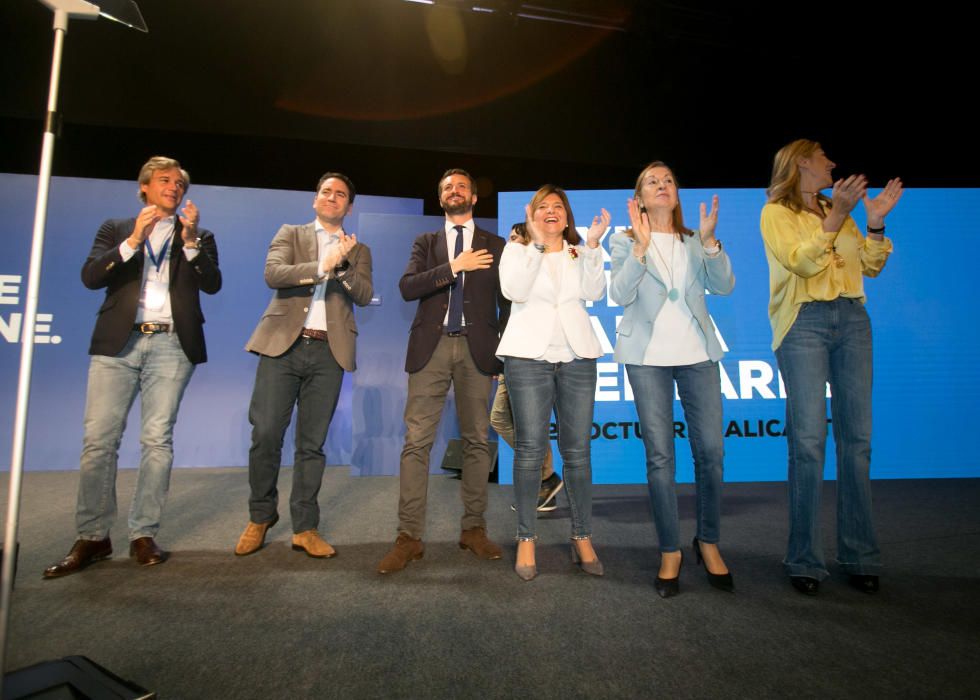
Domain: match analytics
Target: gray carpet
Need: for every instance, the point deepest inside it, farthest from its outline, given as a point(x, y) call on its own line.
point(278, 624)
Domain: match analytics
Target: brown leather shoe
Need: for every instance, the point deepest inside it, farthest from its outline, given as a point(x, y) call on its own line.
point(253, 538)
point(406, 549)
point(314, 545)
point(475, 539)
point(146, 552)
point(83, 553)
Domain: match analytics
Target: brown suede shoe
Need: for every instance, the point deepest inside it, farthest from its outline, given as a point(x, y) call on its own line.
point(475, 539)
point(146, 552)
point(315, 546)
point(83, 553)
point(253, 538)
point(406, 549)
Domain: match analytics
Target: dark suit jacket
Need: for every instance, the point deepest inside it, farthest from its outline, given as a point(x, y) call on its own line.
point(428, 278)
point(104, 267)
point(291, 268)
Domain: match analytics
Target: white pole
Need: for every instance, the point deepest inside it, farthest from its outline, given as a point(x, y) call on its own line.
point(27, 340)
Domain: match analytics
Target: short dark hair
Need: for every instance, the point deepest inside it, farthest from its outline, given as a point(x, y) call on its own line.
point(456, 171)
point(343, 178)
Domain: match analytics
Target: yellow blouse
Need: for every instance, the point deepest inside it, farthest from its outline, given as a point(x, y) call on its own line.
point(801, 263)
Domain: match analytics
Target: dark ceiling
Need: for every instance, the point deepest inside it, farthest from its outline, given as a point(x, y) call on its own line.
point(581, 92)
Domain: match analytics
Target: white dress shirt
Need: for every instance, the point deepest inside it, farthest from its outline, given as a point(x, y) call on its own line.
point(451, 250)
point(154, 303)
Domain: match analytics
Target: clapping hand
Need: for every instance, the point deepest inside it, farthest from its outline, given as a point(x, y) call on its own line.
point(145, 221)
point(877, 209)
point(709, 220)
point(341, 250)
point(848, 192)
point(640, 223)
point(597, 229)
point(189, 218)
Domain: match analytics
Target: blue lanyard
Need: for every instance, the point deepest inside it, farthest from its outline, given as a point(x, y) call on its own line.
point(157, 261)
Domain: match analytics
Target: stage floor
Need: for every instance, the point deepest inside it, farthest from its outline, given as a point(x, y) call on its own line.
point(278, 624)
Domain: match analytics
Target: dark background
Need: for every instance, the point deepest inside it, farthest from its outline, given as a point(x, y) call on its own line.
point(271, 94)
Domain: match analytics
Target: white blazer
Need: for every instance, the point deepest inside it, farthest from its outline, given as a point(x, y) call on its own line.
point(535, 301)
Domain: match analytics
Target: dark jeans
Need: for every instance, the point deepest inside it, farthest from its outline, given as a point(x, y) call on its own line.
point(307, 376)
point(830, 341)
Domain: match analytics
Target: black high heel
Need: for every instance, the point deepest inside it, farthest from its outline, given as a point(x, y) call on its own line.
point(723, 582)
point(669, 587)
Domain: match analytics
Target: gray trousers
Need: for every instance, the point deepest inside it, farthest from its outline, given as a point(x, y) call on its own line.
point(450, 364)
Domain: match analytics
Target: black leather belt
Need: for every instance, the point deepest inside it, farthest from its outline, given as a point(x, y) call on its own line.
point(150, 328)
point(453, 334)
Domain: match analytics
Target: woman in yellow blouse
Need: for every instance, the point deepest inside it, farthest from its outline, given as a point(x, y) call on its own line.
point(821, 333)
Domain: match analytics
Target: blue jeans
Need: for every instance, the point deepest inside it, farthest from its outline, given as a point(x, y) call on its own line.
point(536, 388)
point(830, 341)
point(156, 367)
point(699, 387)
point(308, 377)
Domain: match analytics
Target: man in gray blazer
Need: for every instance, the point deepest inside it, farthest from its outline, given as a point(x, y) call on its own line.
point(305, 341)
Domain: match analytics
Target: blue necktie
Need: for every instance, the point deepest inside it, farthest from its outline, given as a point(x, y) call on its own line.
point(455, 323)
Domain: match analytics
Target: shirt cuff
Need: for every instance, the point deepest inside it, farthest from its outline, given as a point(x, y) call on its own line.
point(125, 251)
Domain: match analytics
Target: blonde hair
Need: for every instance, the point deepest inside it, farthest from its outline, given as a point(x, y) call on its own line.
point(677, 215)
point(160, 163)
point(520, 234)
point(784, 186)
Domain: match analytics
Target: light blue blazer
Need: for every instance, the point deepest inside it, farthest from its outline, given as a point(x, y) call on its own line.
point(642, 293)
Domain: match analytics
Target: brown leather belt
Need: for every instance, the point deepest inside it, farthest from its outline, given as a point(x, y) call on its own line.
point(314, 334)
point(151, 328)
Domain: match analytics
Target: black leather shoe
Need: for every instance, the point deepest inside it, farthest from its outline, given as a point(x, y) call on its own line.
point(723, 582)
point(865, 583)
point(146, 552)
point(83, 553)
point(669, 587)
point(805, 584)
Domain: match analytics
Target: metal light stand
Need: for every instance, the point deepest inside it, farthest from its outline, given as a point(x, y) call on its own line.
point(125, 12)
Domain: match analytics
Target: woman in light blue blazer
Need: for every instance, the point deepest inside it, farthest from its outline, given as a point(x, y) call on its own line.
point(660, 271)
point(549, 350)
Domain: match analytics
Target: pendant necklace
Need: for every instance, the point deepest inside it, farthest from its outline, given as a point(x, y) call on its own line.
point(673, 294)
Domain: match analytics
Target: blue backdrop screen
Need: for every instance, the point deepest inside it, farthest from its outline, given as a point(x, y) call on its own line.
point(212, 428)
point(925, 343)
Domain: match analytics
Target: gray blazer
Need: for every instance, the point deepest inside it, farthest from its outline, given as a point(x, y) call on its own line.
point(291, 270)
point(642, 293)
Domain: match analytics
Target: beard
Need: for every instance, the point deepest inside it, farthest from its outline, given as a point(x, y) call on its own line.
point(463, 207)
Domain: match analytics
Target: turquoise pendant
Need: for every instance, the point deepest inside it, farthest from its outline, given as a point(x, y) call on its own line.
point(673, 294)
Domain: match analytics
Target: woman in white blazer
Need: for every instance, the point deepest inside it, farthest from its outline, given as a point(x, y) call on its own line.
point(549, 351)
point(660, 270)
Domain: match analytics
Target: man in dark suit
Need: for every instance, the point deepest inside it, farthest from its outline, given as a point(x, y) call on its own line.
point(453, 275)
point(305, 341)
point(148, 337)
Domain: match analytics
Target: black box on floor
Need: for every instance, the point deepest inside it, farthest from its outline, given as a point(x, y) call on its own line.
point(452, 460)
point(70, 678)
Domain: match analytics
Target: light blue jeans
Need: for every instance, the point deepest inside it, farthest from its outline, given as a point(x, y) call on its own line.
point(830, 341)
point(156, 367)
point(536, 388)
point(699, 388)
